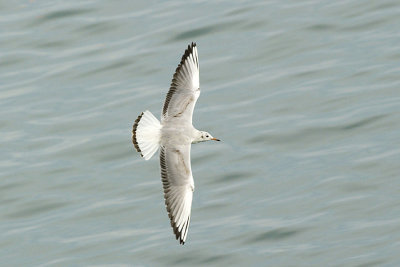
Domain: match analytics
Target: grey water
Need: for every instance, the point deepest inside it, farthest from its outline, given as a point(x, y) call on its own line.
point(304, 94)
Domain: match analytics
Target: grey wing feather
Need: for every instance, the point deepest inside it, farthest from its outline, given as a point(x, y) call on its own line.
point(185, 88)
point(177, 179)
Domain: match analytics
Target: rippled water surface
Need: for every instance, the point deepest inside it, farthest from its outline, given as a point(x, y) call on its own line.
point(304, 94)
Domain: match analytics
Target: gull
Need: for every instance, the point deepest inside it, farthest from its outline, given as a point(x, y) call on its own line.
point(174, 136)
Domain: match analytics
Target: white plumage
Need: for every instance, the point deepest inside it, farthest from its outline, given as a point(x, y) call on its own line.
point(174, 135)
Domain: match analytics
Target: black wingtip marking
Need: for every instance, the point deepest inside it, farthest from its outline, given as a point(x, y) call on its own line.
point(134, 141)
point(173, 85)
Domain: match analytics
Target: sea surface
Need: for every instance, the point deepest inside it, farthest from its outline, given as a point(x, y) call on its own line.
point(305, 96)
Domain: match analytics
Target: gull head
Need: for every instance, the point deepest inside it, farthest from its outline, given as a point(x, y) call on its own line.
point(204, 136)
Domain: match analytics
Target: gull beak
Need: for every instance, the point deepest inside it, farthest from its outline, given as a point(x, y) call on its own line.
point(215, 139)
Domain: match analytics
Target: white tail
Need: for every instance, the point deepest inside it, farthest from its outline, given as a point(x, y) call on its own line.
point(146, 134)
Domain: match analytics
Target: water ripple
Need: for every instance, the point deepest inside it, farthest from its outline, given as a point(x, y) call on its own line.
point(303, 94)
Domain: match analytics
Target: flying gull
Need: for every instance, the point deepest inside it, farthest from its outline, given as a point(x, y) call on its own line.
point(174, 136)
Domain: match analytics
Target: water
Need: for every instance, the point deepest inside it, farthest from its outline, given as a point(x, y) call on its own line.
point(305, 96)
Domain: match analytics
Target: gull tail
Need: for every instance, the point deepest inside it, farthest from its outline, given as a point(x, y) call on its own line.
point(146, 134)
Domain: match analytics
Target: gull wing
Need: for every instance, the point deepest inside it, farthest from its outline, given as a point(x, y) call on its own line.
point(177, 179)
point(184, 89)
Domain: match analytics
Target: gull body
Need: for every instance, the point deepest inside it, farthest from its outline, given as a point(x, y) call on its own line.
point(186, 134)
point(174, 136)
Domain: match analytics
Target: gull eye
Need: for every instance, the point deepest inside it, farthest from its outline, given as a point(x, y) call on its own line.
point(207, 135)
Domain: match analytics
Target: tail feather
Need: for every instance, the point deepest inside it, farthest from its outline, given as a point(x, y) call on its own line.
point(146, 134)
point(134, 141)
